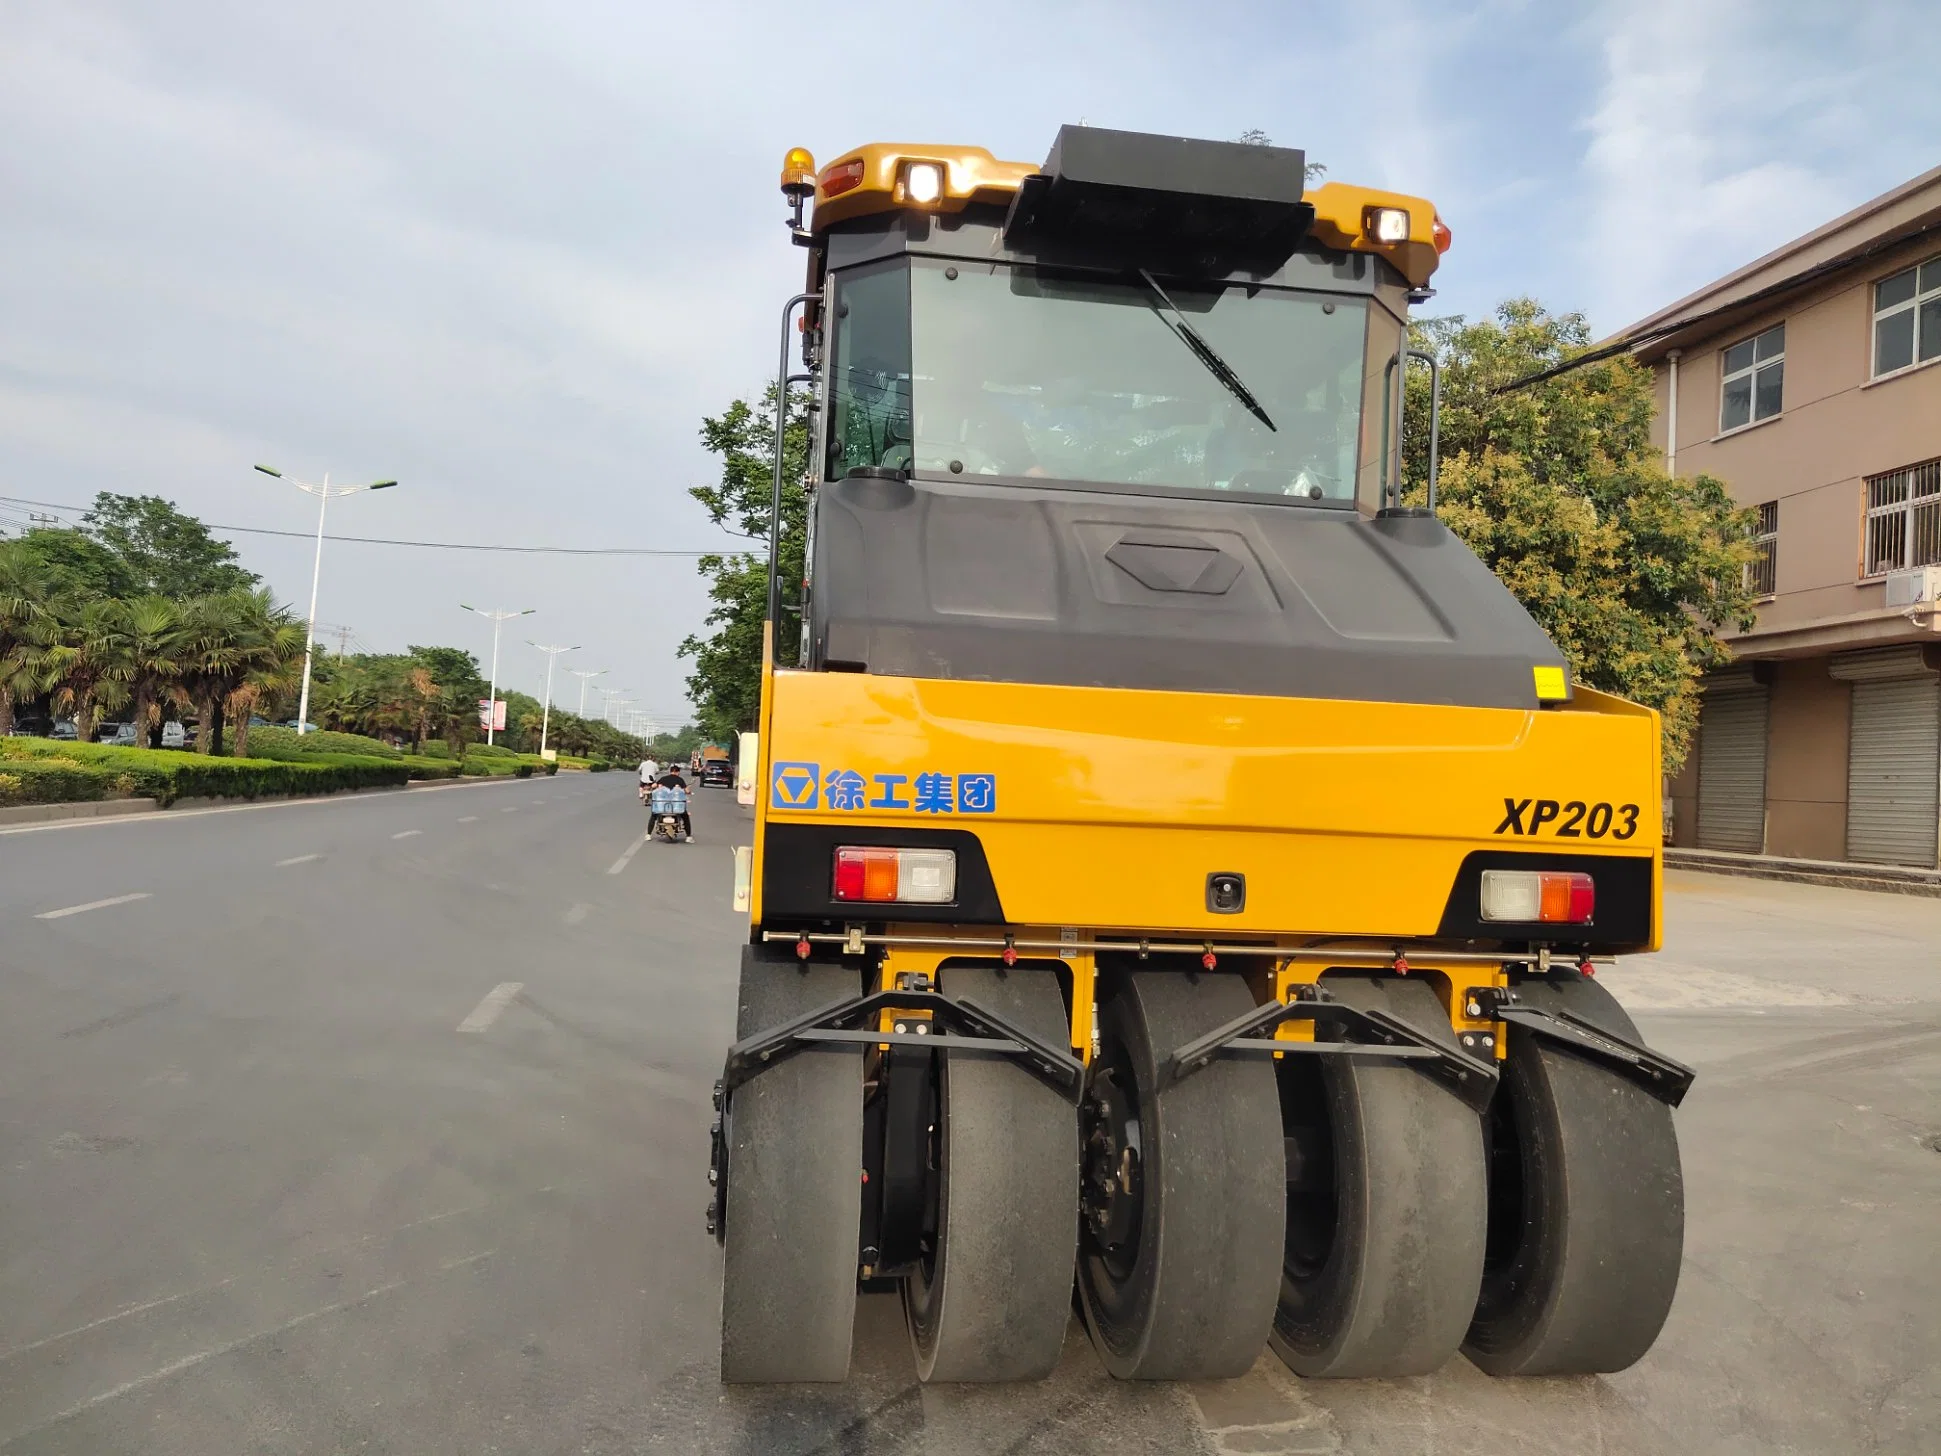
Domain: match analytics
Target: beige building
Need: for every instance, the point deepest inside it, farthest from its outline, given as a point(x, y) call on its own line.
point(1808, 382)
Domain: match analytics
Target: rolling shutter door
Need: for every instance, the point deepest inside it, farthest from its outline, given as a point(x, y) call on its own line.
point(1894, 761)
point(1732, 765)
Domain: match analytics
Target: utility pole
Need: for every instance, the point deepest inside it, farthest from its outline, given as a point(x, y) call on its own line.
point(546, 710)
point(323, 492)
point(498, 619)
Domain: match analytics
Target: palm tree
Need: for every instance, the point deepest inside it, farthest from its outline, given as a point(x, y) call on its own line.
point(86, 661)
point(156, 649)
point(236, 643)
point(23, 606)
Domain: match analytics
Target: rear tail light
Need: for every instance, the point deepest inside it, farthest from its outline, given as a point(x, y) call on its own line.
point(842, 177)
point(1551, 897)
point(896, 876)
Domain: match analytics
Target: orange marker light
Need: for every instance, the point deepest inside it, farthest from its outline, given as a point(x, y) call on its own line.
point(1440, 232)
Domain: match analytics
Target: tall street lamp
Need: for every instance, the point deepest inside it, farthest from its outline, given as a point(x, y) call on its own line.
point(585, 677)
point(546, 711)
point(323, 492)
point(492, 703)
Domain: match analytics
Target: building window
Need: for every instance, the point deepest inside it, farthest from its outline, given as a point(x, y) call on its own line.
point(1907, 318)
point(1904, 518)
point(1760, 571)
point(1755, 371)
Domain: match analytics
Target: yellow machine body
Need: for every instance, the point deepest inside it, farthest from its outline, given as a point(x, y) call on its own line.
point(1111, 806)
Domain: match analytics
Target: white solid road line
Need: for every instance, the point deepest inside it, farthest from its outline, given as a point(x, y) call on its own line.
point(632, 850)
point(170, 816)
point(406, 833)
point(487, 1011)
point(92, 905)
point(284, 864)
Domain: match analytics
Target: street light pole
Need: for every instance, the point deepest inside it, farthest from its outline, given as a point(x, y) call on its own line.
point(492, 703)
point(585, 677)
point(546, 710)
point(323, 491)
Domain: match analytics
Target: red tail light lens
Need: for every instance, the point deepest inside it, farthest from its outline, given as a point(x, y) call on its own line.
point(841, 177)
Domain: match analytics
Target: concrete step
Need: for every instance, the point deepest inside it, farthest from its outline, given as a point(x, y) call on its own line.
point(1888, 879)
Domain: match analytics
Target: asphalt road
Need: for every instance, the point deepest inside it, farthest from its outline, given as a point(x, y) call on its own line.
point(380, 1124)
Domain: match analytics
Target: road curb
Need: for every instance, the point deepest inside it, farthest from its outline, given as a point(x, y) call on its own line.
point(81, 809)
point(1840, 874)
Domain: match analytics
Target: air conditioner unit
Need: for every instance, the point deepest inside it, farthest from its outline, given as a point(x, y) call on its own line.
point(1913, 587)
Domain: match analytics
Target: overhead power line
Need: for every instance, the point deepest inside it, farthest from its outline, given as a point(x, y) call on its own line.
point(426, 545)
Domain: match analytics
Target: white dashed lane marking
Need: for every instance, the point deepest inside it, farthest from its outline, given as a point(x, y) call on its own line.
point(495, 1001)
point(284, 864)
point(92, 905)
point(632, 850)
point(406, 833)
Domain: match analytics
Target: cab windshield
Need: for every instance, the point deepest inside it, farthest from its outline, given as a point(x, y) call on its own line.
point(992, 370)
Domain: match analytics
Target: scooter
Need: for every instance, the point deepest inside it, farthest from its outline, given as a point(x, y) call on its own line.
point(664, 812)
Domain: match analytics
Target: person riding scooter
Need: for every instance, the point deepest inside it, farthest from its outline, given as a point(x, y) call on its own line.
point(670, 797)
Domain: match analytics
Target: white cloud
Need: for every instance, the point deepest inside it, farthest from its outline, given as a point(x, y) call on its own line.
point(1722, 129)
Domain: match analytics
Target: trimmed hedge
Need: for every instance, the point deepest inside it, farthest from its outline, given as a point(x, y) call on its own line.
point(63, 772)
point(427, 767)
point(268, 741)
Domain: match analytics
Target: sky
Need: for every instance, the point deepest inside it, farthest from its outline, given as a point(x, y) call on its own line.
point(512, 254)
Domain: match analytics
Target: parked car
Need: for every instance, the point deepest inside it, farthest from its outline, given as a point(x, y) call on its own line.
point(717, 773)
point(175, 735)
point(64, 732)
point(31, 727)
point(117, 735)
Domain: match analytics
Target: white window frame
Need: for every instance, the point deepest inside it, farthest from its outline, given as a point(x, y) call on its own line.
point(1762, 572)
point(1911, 305)
point(1750, 373)
point(1917, 540)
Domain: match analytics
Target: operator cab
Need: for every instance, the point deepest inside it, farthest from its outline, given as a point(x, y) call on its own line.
point(1131, 419)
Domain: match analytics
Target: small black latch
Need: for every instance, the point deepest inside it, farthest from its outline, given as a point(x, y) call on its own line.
point(1226, 894)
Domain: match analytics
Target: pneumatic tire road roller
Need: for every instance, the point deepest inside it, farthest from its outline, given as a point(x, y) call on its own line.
point(1180, 867)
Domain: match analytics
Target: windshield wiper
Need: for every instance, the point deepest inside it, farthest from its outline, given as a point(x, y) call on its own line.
point(1204, 352)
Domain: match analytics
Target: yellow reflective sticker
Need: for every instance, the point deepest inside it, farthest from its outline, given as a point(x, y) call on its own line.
point(1551, 684)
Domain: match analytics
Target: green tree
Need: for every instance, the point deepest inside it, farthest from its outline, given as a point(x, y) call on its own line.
point(165, 552)
point(1557, 487)
point(235, 643)
point(86, 660)
point(726, 683)
point(24, 591)
point(155, 658)
point(74, 565)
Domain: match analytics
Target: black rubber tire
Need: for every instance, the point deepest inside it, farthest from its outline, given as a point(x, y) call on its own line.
point(1587, 1204)
point(1382, 1261)
point(794, 1206)
point(1196, 1301)
point(996, 1297)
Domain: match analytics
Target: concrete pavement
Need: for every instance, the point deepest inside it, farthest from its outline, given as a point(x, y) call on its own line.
point(380, 1124)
